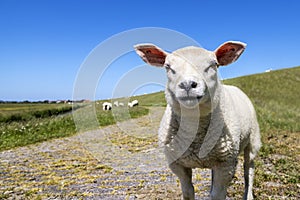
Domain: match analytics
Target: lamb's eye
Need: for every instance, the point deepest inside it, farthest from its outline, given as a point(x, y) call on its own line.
point(213, 66)
point(168, 68)
point(206, 69)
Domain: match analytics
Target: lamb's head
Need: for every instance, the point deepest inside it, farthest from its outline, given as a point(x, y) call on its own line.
point(191, 71)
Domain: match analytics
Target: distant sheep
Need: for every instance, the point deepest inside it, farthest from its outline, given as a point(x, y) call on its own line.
point(121, 104)
point(206, 124)
point(269, 70)
point(106, 106)
point(116, 103)
point(133, 103)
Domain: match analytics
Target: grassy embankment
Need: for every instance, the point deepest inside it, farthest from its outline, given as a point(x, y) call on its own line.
point(276, 97)
point(23, 124)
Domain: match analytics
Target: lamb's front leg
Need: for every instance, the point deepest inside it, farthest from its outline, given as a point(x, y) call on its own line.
point(185, 176)
point(221, 177)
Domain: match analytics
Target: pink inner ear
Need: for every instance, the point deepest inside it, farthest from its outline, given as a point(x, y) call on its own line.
point(225, 50)
point(151, 54)
point(229, 53)
point(155, 52)
point(155, 56)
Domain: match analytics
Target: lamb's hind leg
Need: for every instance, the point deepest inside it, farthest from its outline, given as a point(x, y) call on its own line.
point(185, 176)
point(248, 172)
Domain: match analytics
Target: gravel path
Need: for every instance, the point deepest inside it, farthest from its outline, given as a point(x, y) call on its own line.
point(98, 164)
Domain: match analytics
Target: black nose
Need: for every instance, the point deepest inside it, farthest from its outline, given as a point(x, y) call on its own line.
point(188, 85)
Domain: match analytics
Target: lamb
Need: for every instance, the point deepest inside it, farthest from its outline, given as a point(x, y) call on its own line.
point(106, 106)
point(206, 124)
point(116, 103)
point(133, 103)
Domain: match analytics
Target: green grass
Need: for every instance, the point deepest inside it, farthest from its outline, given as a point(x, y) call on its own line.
point(23, 112)
point(276, 97)
point(22, 133)
point(154, 99)
point(120, 114)
point(24, 124)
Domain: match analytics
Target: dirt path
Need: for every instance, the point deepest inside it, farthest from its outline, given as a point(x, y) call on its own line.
point(100, 164)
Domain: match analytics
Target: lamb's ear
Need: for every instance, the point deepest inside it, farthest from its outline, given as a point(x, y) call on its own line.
point(151, 54)
point(229, 52)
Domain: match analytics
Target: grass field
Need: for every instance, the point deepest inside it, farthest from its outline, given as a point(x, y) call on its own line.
point(23, 124)
point(276, 97)
point(10, 112)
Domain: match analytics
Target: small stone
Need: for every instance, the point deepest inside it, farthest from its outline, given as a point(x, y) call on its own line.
point(8, 192)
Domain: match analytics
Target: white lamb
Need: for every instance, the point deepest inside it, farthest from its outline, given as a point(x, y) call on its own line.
point(106, 106)
point(116, 103)
point(206, 124)
point(133, 103)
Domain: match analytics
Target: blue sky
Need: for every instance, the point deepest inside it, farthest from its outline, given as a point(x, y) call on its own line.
point(45, 43)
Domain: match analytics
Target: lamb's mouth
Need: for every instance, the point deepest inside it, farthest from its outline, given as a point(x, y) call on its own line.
point(190, 101)
point(190, 98)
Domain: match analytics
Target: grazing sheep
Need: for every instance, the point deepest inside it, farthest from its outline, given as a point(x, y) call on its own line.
point(116, 103)
point(268, 70)
point(121, 104)
point(106, 106)
point(133, 103)
point(206, 124)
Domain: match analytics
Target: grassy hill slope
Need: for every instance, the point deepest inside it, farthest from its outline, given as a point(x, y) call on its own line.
point(276, 97)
